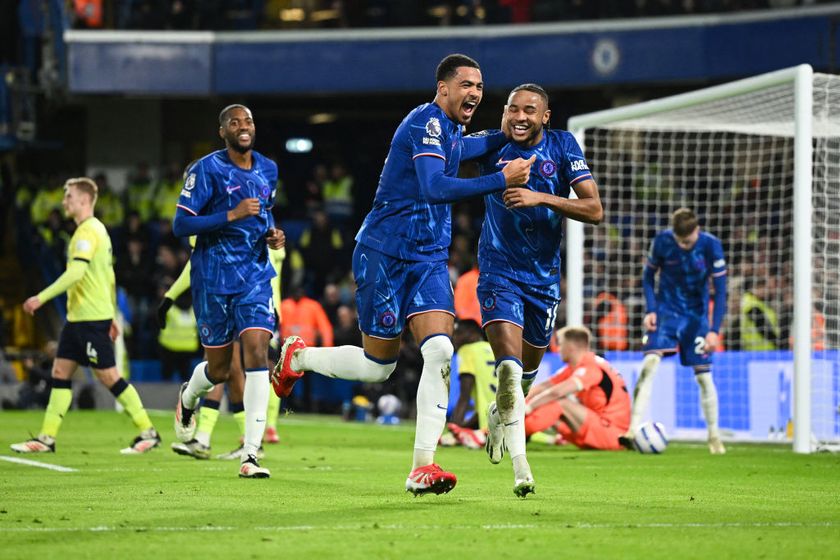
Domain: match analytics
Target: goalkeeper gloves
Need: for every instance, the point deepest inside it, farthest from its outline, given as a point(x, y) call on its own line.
point(162, 309)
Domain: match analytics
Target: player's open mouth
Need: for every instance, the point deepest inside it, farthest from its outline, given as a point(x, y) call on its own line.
point(469, 106)
point(520, 128)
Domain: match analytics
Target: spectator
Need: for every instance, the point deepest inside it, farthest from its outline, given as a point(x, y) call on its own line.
point(338, 195)
point(321, 245)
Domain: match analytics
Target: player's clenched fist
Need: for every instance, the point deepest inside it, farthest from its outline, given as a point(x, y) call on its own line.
point(246, 207)
point(276, 238)
point(518, 171)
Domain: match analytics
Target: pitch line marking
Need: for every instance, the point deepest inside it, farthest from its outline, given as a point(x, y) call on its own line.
point(30, 463)
point(610, 526)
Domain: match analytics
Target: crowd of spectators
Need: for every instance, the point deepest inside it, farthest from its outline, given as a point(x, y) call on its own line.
point(297, 14)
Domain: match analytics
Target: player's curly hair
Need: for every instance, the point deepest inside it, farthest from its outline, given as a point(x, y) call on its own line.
point(450, 64)
point(223, 116)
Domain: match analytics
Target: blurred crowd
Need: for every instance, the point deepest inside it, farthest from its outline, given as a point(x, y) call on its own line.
point(297, 14)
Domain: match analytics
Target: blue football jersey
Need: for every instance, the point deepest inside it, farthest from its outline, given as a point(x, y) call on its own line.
point(523, 244)
point(402, 224)
point(684, 275)
point(230, 259)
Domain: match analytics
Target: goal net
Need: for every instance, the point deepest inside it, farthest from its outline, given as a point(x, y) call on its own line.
point(758, 160)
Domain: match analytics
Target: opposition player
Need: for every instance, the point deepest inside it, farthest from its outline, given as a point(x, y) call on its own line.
point(587, 400)
point(226, 201)
point(519, 260)
point(677, 314)
point(400, 261)
point(477, 376)
point(88, 336)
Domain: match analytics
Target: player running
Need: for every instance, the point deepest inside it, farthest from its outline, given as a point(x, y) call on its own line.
point(677, 316)
point(586, 401)
point(519, 260)
point(87, 338)
point(226, 201)
point(400, 261)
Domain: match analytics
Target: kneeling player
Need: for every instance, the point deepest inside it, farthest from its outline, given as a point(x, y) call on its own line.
point(587, 400)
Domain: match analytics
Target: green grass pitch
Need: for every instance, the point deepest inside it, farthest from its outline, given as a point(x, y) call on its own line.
point(337, 491)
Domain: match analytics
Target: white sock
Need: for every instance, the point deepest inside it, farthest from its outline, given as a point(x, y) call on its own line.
point(644, 387)
point(511, 403)
point(344, 362)
point(528, 378)
point(256, 402)
point(203, 438)
point(709, 402)
point(198, 386)
point(432, 398)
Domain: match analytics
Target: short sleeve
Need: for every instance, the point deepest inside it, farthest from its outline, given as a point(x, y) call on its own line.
point(589, 375)
point(427, 137)
point(574, 166)
point(465, 362)
point(83, 245)
point(197, 190)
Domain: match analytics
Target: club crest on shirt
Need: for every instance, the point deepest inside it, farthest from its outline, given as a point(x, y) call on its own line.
point(489, 303)
point(189, 184)
point(204, 330)
point(548, 168)
point(433, 127)
point(265, 191)
point(388, 319)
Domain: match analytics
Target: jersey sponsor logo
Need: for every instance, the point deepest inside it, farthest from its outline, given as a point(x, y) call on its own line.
point(489, 303)
point(433, 127)
point(431, 141)
point(502, 162)
point(388, 319)
point(548, 168)
point(83, 245)
point(579, 165)
point(189, 184)
point(719, 263)
point(231, 189)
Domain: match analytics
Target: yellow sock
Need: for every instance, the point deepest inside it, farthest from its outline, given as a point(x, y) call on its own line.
point(208, 415)
point(60, 398)
point(273, 410)
point(240, 421)
point(127, 396)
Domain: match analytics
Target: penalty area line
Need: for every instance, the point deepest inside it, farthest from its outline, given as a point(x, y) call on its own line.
point(39, 464)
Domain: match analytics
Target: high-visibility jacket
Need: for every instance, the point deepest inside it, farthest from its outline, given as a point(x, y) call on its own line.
point(181, 332)
point(751, 338)
point(306, 319)
point(466, 299)
point(612, 327)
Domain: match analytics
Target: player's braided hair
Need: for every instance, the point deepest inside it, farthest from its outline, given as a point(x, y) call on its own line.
point(450, 64)
point(223, 116)
point(533, 88)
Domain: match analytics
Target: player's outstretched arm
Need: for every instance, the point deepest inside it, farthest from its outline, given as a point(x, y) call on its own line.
point(437, 188)
point(478, 144)
point(586, 208)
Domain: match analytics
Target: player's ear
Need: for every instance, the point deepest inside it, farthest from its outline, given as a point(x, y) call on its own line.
point(221, 133)
point(442, 89)
point(546, 116)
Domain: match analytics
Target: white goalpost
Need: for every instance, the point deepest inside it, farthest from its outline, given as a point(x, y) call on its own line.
point(759, 162)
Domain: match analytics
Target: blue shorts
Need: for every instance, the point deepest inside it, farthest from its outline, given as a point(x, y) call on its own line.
point(222, 317)
point(533, 308)
point(390, 290)
point(685, 334)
